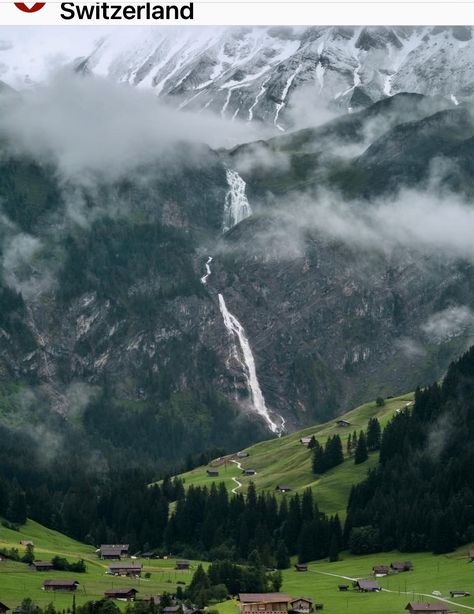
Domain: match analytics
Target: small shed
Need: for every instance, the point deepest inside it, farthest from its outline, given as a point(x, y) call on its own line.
point(249, 472)
point(305, 441)
point(131, 570)
point(283, 488)
point(3, 608)
point(471, 555)
point(212, 473)
point(400, 567)
point(242, 454)
point(183, 565)
point(302, 604)
point(343, 423)
point(301, 567)
point(425, 606)
point(123, 594)
point(459, 594)
point(172, 609)
point(367, 586)
point(26, 542)
point(42, 566)
point(60, 585)
point(343, 587)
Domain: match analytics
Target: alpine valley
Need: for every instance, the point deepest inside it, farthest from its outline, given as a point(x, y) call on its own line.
point(211, 237)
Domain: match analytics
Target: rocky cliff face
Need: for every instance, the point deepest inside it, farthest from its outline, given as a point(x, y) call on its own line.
point(213, 297)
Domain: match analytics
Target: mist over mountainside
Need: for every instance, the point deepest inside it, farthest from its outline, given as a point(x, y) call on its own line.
point(284, 77)
point(161, 296)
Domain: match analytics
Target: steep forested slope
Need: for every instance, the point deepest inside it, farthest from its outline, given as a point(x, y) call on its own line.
point(421, 496)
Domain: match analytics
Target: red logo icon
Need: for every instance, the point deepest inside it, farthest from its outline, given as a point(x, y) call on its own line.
point(29, 9)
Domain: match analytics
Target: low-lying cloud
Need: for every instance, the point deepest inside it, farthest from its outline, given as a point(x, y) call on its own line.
point(449, 323)
point(91, 125)
point(437, 225)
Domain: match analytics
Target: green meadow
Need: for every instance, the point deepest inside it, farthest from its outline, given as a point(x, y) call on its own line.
point(286, 461)
point(431, 573)
point(17, 580)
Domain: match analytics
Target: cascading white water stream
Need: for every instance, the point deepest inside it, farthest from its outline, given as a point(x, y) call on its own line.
point(208, 271)
point(237, 331)
point(236, 204)
point(236, 209)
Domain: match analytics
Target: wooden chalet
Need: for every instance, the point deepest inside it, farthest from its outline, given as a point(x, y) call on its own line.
point(183, 565)
point(212, 473)
point(113, 551)
point(3, 608)
point(60, 585)
point(425, 606)
point(305, 441)
point(367, 586)
point(303, 605)
point(342, 423)
point(249, 472)
point(123, 594)
point(380, 570)
point(131, 570)
point(283, 488)
point(264, 603)
point(301, 567)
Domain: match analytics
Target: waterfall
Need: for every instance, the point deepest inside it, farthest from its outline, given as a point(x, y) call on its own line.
point(208, 271)
point(236, 209)
point(236, 205)
point(236, 330)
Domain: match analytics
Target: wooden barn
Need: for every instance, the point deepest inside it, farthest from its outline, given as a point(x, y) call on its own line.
point(425, 606)
point(123, 594)
point(302, 605)
point(367, 586)
point(263, 603)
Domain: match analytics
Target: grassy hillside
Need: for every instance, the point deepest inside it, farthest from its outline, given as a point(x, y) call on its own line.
point(431, 573)
point(18, 581)
point(286, 461)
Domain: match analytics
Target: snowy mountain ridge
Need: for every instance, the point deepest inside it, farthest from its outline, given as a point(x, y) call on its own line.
point(279, 76)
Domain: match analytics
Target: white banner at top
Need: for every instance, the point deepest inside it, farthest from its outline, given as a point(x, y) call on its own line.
point(233, 13)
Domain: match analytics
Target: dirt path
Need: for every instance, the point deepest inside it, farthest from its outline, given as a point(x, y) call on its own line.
point(386, 590)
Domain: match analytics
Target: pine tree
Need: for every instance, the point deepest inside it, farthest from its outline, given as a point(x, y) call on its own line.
point(361, 454)
point(374, 434)
point(333, 549)
point(319, 459)
point(349, 445)
point(198, 584)
point(312, 443)
point(282, 556)
point(338, 454)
